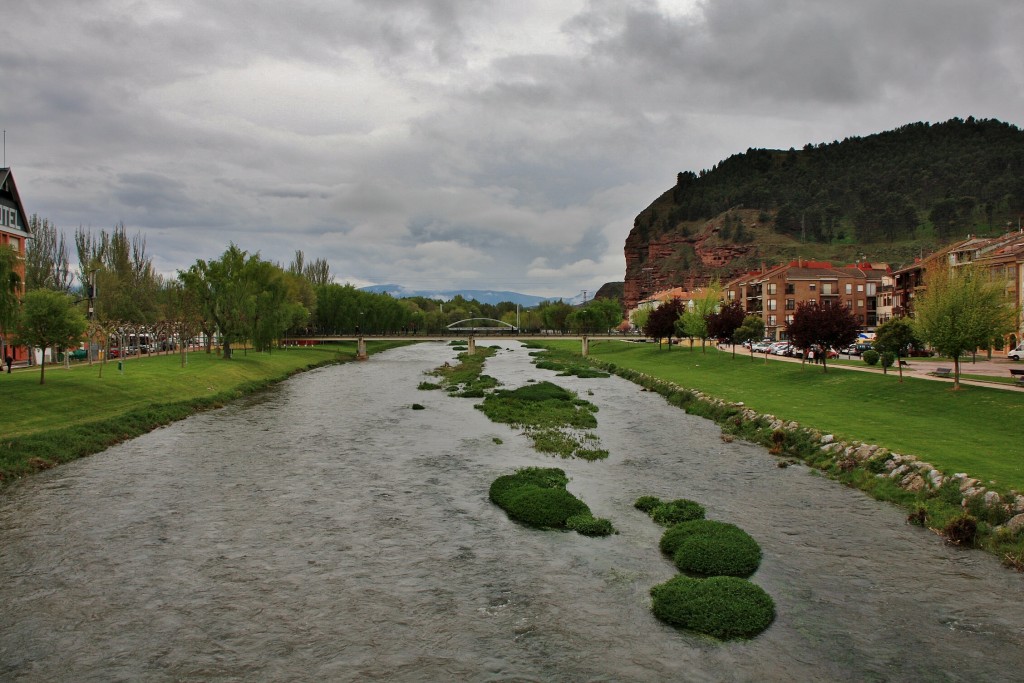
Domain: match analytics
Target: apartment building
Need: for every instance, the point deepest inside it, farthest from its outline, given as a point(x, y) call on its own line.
point(773, 293)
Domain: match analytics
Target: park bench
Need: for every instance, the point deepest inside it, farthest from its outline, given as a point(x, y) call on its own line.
point(1018, 376)
point(942, 372)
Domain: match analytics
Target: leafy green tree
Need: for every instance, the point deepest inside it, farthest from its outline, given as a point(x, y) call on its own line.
point(750, 330)
point(640, 317)
point(10, 287)
point(827, 325)
point(894, 336)
point(555, 314)
point(961, 310)
point(228, 290)
point(694, 320)
point(49, 319)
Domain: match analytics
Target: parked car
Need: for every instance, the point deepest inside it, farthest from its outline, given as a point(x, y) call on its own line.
point(761, 347)
point(1016, 353)
point(856, 349)
point(779, 348)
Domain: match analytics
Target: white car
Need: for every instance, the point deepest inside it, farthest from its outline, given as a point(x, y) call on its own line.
point(779, 348)
point(761, 347)
point(1016, 353)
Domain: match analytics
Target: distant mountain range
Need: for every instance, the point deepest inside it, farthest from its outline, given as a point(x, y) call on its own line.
point(484, 296)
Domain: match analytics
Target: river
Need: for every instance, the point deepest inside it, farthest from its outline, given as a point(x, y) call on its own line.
point(323, 530)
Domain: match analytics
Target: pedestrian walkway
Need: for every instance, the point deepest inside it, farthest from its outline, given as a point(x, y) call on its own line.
point(923, 368)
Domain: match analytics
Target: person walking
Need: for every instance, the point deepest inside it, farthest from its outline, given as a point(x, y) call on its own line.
point(8, 360)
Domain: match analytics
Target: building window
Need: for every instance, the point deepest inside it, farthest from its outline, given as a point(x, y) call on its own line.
point(790, 289)
point(826, 288)
point(771, 304)
point(812, 286)
point(771, 287)
point(860, 303)
point(790, 304)
point(872, 289)
point(860, 288)
point(849, 304)
point(789, 320)
point(849, 288)
point(772, 322)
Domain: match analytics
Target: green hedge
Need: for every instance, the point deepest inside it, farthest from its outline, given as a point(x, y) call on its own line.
point(536, 496)
point(725, 607)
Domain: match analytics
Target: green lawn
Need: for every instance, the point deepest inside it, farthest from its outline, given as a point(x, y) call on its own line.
point(975, 430)
point(85, 408)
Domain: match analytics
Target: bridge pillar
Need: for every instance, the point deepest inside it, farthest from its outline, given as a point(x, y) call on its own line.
point(472, 344)
point(585, 351)
point(361, 349)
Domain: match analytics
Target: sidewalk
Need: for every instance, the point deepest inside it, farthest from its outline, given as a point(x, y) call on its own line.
point(921, 367)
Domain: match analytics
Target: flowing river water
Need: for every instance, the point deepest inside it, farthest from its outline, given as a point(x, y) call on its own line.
point(324, 530)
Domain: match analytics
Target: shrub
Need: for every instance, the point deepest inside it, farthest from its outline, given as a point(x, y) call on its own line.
point(589, 525)
point(888, 358)
point(871, 357)
point(536, 496)
point(733, 553)
point(674, 536)
point(675, 511)
point(723, 606)
point(647, 503)
point(961, 530)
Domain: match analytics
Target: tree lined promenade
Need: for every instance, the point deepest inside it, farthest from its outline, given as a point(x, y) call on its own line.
point(79, 411)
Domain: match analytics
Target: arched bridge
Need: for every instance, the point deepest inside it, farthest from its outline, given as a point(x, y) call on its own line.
point(498, 326)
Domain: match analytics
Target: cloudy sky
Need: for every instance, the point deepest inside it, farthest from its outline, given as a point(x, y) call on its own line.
point(437, 144)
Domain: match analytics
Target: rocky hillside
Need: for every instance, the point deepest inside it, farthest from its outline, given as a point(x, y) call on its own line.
point(887, 197)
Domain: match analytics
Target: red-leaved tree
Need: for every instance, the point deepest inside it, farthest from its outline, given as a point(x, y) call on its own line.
point(826, 325)
point(661, 323)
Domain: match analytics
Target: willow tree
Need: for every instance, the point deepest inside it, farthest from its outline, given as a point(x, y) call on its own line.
point(962, 310)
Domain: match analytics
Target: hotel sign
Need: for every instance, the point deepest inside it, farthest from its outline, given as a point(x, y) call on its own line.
point(9, 217)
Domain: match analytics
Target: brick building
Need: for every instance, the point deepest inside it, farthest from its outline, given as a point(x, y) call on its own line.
point(14, 232)
point(773, 293)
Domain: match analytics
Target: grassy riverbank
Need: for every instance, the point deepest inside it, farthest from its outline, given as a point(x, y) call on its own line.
point(84, 409)
point(975, 430)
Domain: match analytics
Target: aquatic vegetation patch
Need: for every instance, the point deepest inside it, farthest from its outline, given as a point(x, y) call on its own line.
point(537, 497)
point(647, 503)
point(566, 363)
point(554, 418)
point(709, 548)
point(465, 379)
point(712, 597)
point(539, 405)
point(675, 511)
point(567, 444)
point(725, 607)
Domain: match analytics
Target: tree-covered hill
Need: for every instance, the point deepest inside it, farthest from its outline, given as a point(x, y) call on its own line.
point(954, 177)
point(885, 195)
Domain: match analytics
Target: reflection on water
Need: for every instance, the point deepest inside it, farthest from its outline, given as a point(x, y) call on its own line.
point(325, 530)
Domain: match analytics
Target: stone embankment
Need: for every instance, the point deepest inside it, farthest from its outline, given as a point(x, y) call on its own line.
point(826, 453)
